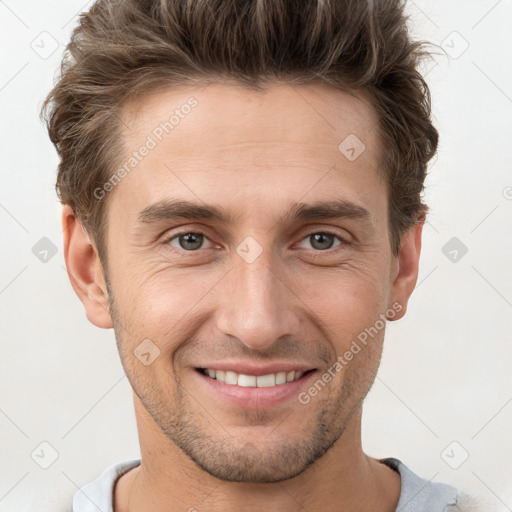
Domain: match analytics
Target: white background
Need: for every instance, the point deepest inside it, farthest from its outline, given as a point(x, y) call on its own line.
point(445, 374)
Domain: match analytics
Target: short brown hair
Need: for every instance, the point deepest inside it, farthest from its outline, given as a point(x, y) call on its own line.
point(122, 48)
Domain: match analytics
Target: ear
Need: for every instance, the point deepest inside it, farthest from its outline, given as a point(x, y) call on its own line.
point(405, 268)
point(84, 270)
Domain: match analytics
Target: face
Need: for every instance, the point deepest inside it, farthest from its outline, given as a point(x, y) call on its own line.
point(245, 240)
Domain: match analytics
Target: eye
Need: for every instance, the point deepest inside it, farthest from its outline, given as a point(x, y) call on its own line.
point(187, 240)
point(192, 241)
point(323, 240)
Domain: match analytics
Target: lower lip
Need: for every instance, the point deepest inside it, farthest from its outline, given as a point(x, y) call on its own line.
point(254, 397)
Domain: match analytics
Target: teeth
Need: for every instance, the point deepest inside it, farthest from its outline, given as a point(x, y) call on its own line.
point(231, 378)
point(260, 381)
point(266, 381)
point(280, 378)
point(247, 381)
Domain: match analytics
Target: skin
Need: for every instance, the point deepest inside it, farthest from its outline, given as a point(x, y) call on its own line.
point(254, 153)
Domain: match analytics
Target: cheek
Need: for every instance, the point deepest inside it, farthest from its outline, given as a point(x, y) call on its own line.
point(163, 304)
point(347, 301)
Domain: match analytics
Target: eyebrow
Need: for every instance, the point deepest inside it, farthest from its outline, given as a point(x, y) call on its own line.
point(170, 209)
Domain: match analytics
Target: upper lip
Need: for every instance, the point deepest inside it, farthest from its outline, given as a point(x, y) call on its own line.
point(258, 369)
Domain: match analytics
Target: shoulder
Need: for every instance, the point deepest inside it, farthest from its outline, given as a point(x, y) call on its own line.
point(420, 495)
point(99, 494)
point(467, 503)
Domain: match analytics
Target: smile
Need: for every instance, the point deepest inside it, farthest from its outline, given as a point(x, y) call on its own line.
point(258, 381)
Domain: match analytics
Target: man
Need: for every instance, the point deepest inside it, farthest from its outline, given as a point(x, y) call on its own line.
point(287, 143)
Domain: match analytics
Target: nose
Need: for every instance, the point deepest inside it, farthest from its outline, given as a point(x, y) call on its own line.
point(258, 304)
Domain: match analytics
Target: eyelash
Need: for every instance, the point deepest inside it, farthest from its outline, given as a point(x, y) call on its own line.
point(343, 241)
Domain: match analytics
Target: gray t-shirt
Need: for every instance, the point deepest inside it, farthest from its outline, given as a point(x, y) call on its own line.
point(416, 495)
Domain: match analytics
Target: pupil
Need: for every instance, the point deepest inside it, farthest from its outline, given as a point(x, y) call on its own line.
point(191, 238)
point(321, 237)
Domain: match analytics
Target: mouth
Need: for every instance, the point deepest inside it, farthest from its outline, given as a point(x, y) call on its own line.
point(253, 392)
point(254, 381)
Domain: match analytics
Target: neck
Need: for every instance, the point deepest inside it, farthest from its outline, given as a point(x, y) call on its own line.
point(343, 479)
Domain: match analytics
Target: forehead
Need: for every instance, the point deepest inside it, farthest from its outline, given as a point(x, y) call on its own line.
point(222, 139)
point(232, 113)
